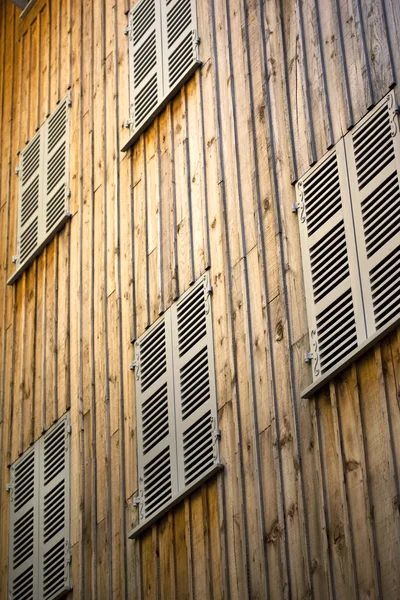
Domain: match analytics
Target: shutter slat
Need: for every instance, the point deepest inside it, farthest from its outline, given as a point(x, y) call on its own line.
point(54, 511)
point(373, 151)
point(333, 293)
point(195, 395)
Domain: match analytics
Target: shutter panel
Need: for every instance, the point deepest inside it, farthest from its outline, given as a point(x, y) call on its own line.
point(194, 375)
point(334, 303)
point(56, 169)
point(24, 527)
point(54, 511)
point(373, 154)
point(155, 419)
point(146, 77)
point(30, 182)
point(180, 44)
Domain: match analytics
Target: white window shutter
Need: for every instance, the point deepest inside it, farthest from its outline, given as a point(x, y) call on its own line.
point(373, 154)
point(155, 419)
point(180, 43)
point(24, 528)
point(146, 76)
point(56, 169)
point(30, 191)
point(194, 375)
point(54, 552)
point(334, 303)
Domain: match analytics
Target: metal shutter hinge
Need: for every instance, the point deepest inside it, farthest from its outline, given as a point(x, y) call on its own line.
point(17, 170)
point(69, 429)
point(308, 356)
point(133, 365)
point(126, 31)
point(217, 434)
point(295, 207)
point(197, 41)
point(68, 192)
point(9, 487)
point(14, 258)
point(127, 123)
point(69, 102)
point(137, 501)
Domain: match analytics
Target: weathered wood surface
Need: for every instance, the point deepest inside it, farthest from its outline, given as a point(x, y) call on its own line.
point(308, 503)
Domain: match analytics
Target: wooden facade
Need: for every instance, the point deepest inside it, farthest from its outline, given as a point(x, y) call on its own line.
point(308, 503)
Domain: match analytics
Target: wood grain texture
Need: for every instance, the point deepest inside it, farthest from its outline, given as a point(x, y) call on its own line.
point(307, 505)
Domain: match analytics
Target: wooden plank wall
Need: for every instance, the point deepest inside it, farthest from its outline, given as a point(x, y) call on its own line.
point(308, 503)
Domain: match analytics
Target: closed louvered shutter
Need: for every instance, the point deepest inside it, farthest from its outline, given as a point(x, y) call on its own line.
point(146, 77)
point(30, 184)
point(334, 303)
point(54, 511)
point(56, 169)
point(195, 396)
point(373, 154)
point(24, 527)
point(155, 419)
point(180, 44)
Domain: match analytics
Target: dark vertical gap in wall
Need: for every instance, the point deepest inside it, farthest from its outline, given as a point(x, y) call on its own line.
point(22, 357)
point(44, 362)
point(55, 317)
point(247, 306)
point(327, 113)
point(161, 304)
point(282, 262)
point(83, 449)
point(343, 69)
point(107, 398)
point(92, 324)
point(121, 358)
point(287, 107)
point(188, 183)
point(59, 50)
point(233, 358)
point(310, 133)
point(364, 55)
point(34, 399)
point(204, 190)
point(175, 270)
point(146, 228)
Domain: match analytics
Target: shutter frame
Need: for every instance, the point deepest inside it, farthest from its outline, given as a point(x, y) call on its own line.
point(16, 513)
point(196, 420)
point(59, 436)
point(348, 291)
point(381, 240)
point(159, 386)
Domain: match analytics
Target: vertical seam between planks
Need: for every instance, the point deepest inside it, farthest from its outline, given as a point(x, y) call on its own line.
point(22, 373)
point(363, 50)
point(367, 497)
point(124, 566)
point(55, 341)
point(146, 225)
point(343, 481)
point(287, 99)
point(327, 117)
point(44, 374)
point(161, 304)
point(189, 187)
point(105, 308)
point(82, 560)
point(310, 133)
point(175, 294)
point(344, 74)
point(270, 136)
point(228, 292)
point(204, 199)
point(248, 317)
